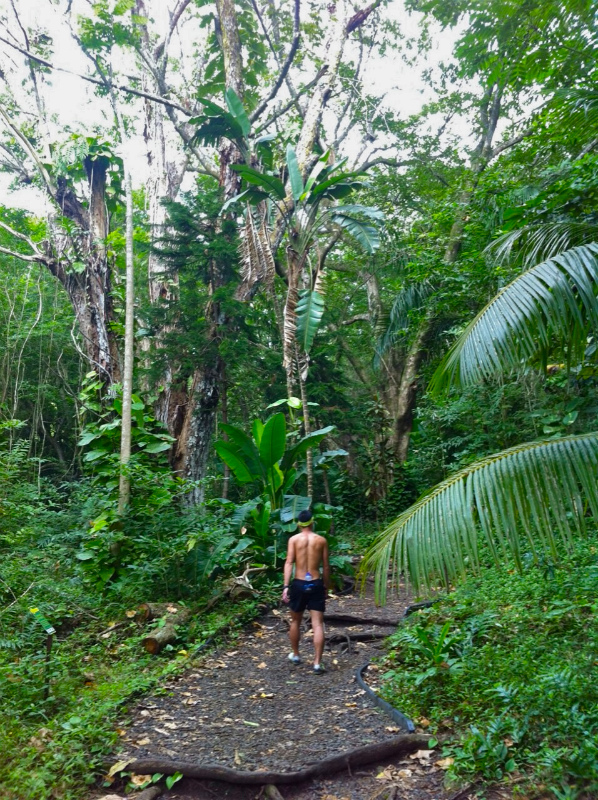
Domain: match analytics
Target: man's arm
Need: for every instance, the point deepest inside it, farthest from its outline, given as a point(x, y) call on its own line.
point(325, 565)
point(288, 569)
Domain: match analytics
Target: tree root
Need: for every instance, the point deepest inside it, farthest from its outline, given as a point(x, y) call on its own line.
point(399, 745)
point(363, 636)
point(355, 620)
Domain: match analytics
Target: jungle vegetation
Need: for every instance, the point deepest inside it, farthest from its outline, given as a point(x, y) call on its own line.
point(242, 275)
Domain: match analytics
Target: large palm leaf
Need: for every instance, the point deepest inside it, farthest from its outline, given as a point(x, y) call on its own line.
point(527, 498)
point(535, 243)
point(556, 297)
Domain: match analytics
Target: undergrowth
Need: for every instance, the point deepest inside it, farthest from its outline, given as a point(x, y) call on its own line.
point(503, 671)
point(56, 746)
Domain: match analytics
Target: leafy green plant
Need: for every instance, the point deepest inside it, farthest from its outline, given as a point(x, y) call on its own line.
point(524, 696)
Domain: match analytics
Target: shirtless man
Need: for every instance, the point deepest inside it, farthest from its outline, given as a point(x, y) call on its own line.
point(308, 552)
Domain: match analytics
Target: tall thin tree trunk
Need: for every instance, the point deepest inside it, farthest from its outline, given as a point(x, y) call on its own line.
point(124, 488)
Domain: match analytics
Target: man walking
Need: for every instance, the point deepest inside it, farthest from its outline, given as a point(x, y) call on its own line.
point(308, 552)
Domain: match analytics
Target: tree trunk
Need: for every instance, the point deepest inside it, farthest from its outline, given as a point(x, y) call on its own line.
point(406, 393)
point(199, 415)
point(89, 289)
point(124, 488)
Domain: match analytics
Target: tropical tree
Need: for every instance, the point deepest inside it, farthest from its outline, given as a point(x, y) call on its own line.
point(529, 497)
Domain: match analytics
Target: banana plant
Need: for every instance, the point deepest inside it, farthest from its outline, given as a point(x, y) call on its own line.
point(267, 459)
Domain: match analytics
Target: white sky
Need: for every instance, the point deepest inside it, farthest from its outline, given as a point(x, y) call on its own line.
point(73, 106)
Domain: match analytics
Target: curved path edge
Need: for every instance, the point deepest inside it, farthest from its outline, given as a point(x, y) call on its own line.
point(397, 716)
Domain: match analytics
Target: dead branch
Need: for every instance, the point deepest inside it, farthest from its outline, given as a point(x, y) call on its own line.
point(120, 87)
point(285, 67)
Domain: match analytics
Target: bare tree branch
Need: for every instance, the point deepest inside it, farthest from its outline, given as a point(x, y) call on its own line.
point(117, 86)
point(293, 101)
point(511, 142)
point(285, 67)
point(28, 148)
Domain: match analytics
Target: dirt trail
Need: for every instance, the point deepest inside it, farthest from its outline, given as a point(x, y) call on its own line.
point(246, 707)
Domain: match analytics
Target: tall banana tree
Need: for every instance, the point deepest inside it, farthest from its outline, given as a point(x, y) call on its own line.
point(285, 202)
point(532, 496)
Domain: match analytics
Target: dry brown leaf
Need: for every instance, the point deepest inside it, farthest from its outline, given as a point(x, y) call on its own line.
point(130, 614)
point(262, 665)
point(140, 780)
point(445, 763)
point(422, 755)
point(405, 773)
point(145, 740)
point(425, 723)
point(238, 760)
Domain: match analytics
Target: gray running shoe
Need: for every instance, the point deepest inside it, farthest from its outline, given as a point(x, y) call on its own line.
point(319, 669)
point(294, 659)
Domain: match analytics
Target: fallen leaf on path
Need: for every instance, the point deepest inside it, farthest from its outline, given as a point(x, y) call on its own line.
point(264, 694)
point(422, 755)
point(385, 775)
point(262, 665)
point(238, 760)
point(391, 729)
point(445, 763)
point(405, 773)
point(143, 741)
point(253, 724)
point(140, 780)
point(425, 723)
point(118, 767)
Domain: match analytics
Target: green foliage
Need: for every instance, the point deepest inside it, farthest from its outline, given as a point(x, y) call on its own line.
point(266, 459)
point(269, 460)
point(509, 495)
point(557, 297)
point(523, 696)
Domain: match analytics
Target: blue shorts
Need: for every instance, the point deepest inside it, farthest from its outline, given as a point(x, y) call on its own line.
point(307, 594)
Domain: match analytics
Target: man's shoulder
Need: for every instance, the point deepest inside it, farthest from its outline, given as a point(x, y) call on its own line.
point(320, 539)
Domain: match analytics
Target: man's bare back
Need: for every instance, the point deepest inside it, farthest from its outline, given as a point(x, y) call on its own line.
point(308, 551)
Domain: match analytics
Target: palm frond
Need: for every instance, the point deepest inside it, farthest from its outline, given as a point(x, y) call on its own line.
point(526, 498)
point(555, 297)
point(392, 325)
point(535, 243)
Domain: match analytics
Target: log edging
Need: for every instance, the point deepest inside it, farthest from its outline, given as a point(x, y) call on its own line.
point(399, 745)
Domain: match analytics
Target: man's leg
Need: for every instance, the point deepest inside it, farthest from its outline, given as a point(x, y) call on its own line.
point(295, 630)
point(317, 624)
